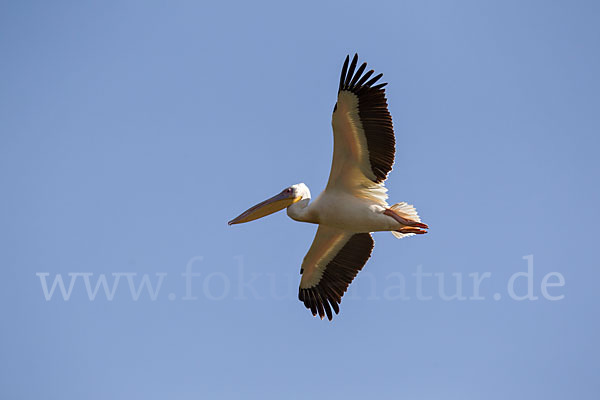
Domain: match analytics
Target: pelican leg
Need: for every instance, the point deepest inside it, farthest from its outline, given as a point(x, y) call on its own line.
point(405, 221)
point(410, 229)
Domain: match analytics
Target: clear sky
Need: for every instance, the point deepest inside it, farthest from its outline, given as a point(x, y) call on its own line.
point(132, 131)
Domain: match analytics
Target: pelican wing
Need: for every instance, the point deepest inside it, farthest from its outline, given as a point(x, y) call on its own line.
point(364, 144)
point(333, 260)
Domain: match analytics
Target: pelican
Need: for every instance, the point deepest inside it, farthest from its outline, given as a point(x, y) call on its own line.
point(353, 205)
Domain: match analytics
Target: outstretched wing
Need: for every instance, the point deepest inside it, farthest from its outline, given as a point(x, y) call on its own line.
point(333, 260)
point(364, 144)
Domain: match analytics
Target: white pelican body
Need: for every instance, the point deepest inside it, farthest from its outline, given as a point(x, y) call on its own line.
point(354, 202)
point(342, 210)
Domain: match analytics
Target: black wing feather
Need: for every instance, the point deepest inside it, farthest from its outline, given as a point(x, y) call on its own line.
point(374, 116)
point(351, 70)
point(338, 275)
point(344, 69)
point(357, 75)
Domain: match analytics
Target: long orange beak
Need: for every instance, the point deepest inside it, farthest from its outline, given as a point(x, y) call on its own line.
point(270, 206)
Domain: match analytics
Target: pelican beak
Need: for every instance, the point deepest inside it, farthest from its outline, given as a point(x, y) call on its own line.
point(270, 206)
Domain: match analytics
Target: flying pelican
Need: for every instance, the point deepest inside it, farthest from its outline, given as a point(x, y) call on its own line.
point(354, 202)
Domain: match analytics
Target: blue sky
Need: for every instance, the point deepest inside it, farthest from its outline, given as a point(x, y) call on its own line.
point(131, 132)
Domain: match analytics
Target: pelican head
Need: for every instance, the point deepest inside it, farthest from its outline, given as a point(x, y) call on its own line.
point(284, 199)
